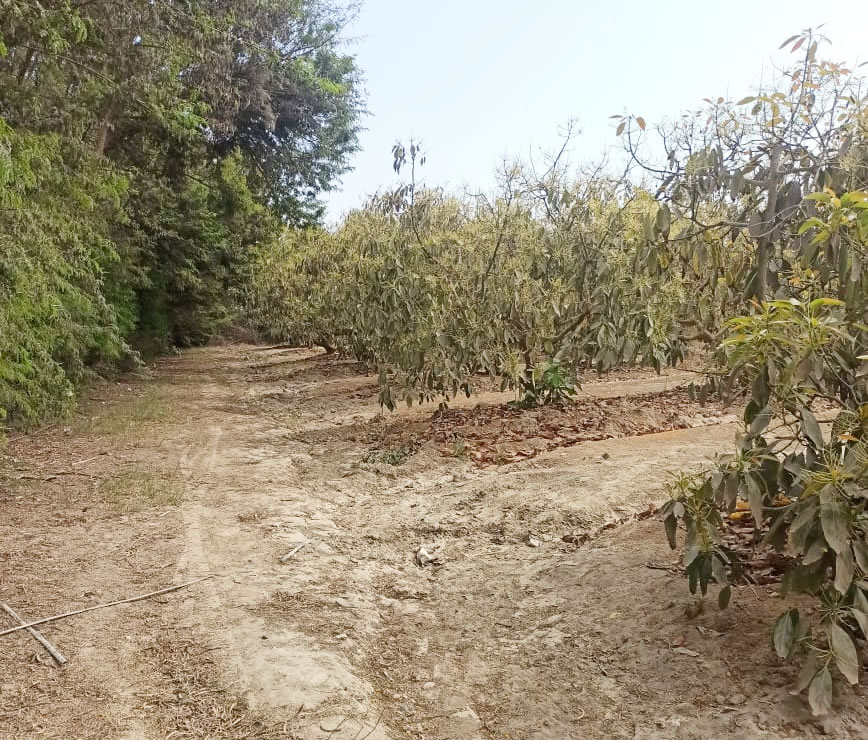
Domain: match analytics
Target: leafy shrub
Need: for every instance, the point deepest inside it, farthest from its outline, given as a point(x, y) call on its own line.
point(546, 385)
point(806, 488)
point(56, 216)
point(143, 153)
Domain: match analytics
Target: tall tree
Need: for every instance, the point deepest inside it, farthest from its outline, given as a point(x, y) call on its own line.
point(182, 132)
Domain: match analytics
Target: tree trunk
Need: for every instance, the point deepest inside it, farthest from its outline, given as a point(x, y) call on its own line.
point(106, 124)
point(25, 67)
point(766, 239)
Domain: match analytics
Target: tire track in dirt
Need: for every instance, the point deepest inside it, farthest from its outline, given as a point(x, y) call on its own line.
point(280, 671)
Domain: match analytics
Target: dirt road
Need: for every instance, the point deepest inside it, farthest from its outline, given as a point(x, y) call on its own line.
point(533, 621)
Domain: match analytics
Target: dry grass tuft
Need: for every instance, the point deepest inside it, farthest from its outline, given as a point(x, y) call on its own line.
point(126, 417)
point(137, 490)
point(194, 706)
point(252, 517)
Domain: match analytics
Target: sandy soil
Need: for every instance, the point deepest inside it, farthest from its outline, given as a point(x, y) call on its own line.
point(229, 457)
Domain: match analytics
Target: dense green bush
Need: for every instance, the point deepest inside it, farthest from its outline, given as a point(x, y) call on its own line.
point(145, 149)
point(56, 219)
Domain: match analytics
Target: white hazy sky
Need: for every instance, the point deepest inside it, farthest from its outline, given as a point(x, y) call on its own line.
point(477, 80)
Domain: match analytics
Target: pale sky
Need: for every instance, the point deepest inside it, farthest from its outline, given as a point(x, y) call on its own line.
point(477, 80)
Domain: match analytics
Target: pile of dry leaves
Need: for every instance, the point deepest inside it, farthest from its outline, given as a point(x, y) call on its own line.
point(497, 434)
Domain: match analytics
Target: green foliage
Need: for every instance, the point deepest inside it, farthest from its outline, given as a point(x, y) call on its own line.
point(56, 217)
point(806, 486)
point(531, 285)
point(733, 182)
point(145, 149)
point(546, 385)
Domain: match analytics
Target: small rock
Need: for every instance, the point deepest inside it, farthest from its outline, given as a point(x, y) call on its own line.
point(737, 699)
point(606, 456)
point(428, 685)
point(534, 541)
point(685, 651)
point(423, 557)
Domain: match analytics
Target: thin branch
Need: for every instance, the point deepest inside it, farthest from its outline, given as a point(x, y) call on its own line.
point(103, 606)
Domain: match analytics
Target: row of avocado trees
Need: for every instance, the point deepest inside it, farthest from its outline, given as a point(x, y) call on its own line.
point(748, 232)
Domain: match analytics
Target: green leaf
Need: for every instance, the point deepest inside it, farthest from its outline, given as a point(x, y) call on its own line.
point(671, 526)
point(785, 632)
point(692, 577)
point(827, 302)
point(846, 657)
point(745, 101)
point(803, 524)
point(724, 596)
point(844, 568)
point(811, 223)
point(811, 429)
point(663, 220)
point(815, 551)
point(835, 519)
point(809, 670)
point(821, 197)
point(620, 129)
point(755, 498)
point(820, 693)
point(691, 552)
point(860, 549)
point(760, 421)
point(862, 618)
point(860, 603)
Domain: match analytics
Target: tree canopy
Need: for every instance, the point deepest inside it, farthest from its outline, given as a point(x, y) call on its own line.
point(145, 147)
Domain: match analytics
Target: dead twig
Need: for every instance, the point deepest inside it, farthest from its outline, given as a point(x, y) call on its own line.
point(339, 725)
point(55, 475)
point(32, 434)
point(53, 651)
point(285, 558)
point(669, 568)
point(367, 735)
point(103, 606)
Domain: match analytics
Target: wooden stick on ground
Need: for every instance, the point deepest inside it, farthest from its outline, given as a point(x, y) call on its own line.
point(103, 606)
point(53, 651)
point(285, 558)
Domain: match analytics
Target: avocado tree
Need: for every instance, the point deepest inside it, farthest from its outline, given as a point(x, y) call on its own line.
point(731, 180)
point(805, 480)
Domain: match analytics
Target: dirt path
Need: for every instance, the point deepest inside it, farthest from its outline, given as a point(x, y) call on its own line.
point(231, 456)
